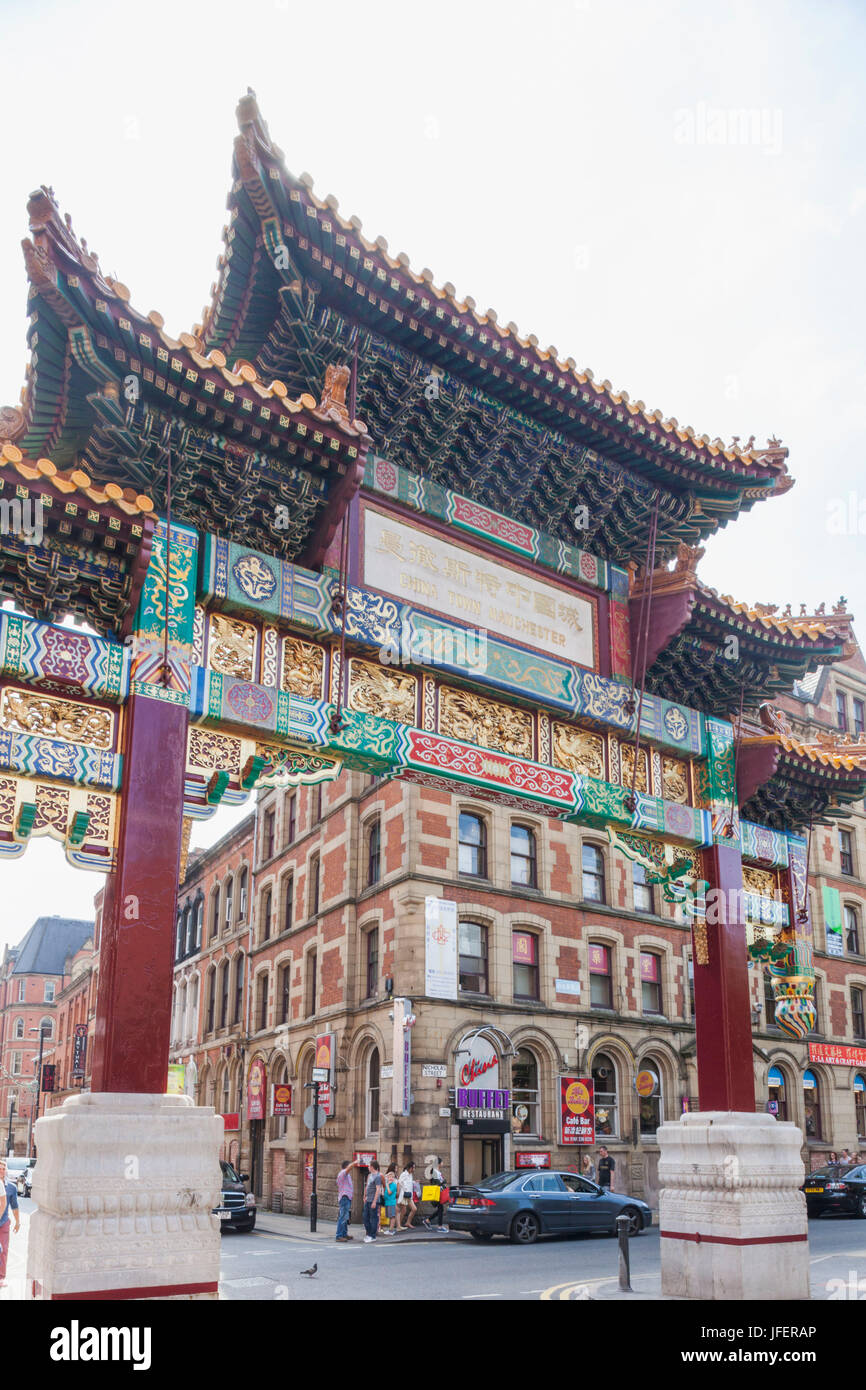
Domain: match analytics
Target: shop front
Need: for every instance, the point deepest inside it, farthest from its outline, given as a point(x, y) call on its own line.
point(483, 1104)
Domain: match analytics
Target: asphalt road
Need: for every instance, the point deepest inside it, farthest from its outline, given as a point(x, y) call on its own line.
point(266, 1267)
point(262, 1266)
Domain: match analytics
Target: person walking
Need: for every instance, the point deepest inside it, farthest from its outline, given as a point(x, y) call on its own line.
point(406, 1208)
point(8, 1202)
point(372, 1200)
point(606, 1168)
point(587, 1168)
point(389, 1200)
point(435, 1179)
point(345, 1192)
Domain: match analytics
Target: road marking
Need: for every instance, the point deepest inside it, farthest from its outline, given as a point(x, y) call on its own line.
point(480, 1295)
point(251, 1283)
point(531, 1291)
point(572, 1291)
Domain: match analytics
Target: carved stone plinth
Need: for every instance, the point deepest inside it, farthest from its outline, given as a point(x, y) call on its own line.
point(731, 1213)
point(125, 1186)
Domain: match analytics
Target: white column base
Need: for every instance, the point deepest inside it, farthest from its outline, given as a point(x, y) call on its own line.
point(732, 1216)
point(125, 1186)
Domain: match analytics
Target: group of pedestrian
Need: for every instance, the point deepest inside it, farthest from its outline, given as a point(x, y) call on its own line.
point(844, 1157)
point(8, 1203)
point(603, 1172)
point(398, 1198)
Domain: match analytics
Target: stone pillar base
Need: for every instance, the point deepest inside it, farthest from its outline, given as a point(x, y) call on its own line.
point(732, 1217)
point(125, 1186)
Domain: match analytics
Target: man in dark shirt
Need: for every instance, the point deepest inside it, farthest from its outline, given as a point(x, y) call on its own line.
point(9, 1201)
point(606, 1166)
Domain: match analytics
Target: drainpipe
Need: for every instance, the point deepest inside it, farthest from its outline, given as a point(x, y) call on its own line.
point(248, 975)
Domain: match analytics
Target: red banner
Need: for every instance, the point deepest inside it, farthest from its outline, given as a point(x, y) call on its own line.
point(837, 1055)
point(326, 1057)
point(576, 1110)
point(598, 959)
point(523, 948)
point(649, 968)
point(282, 1100)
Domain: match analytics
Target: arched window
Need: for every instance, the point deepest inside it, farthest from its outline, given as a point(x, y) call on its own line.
point(372, 1108)
point(472, 945)
point(19, 1027)
point(371, 943)
point(651, 982)
point(181, 1013)
point(199, 922)
point(226, 1091)
point(284, 990)
point(778, 1093)
point(524, 957)
point(46, 1027)
point(262, 1001)
point(525, 1110)
point(472, 846)
point(860, 1105)
point(229, 901)
point(523, 858)
point(179, 937)
point(769, 1000)
point(242, 896)
point(858, 1013)
point(215, 913)
point(600, 976)
point(813, 1128)
point(592, 862)
point(651, 1108)
point(643, 893)
point(224, 994)
point(374, 852)
point(266, 915)
point(190, 929)
point(852, 930)
point(211, 999)
point(606, 1095)
point(237, 1015)
point(288, 902)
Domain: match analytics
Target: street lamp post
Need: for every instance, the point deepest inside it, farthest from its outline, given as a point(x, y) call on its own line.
point(314, 1195)
point(11, 1115)
point(41, 1031)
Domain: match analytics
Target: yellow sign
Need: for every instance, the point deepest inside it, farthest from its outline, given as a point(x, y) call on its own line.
point(645, 1083)
point(577, 1098)
point(176, 1075)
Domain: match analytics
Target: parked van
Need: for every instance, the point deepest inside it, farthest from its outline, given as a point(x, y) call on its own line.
point(237, 1209)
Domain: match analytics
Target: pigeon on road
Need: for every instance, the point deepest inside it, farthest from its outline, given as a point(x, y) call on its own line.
point(310, 1272)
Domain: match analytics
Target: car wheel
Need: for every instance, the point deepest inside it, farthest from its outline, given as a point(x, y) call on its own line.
point(861, 1207)
point(481, 1235)
point(635, 1224)
point(525, 1228)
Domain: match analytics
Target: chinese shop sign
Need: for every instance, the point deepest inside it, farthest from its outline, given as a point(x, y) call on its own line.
point(837, 1055)
point(282, 1100)
point(79, 1052)
point(576, 1110)
point(326, 1058)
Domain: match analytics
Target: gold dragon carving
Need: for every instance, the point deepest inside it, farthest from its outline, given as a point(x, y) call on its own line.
point(577, 750)
point(60, 719)
point(379, 690)
point(675, 780)
point(232, 647)
point(472, 719)
point(759, 881)
point(303, 668)
point(626, 754)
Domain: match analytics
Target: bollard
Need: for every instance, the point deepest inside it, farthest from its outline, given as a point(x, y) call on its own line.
point(622, 1225)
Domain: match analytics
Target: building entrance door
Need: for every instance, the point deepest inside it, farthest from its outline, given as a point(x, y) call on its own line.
point(480, 1157)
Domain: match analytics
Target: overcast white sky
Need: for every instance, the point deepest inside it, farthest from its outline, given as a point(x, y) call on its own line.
point(573, 165)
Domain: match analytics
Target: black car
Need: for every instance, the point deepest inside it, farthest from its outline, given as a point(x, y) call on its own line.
point(838, 1187)
point(523, 1206)
point(237, 1209)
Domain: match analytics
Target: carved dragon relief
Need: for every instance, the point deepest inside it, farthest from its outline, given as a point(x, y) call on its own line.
point(473, 719)
point(577, 750)
point(382, 691)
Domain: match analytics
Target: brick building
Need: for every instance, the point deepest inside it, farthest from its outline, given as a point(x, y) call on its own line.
point(575, 961)
point(33, 975)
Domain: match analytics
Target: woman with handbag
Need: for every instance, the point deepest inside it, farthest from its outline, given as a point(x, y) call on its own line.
point(406, 1208)
point(435, 1179)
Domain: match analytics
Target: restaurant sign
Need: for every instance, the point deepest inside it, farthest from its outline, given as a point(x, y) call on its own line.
point(475, 1104)
point(576, 1110)
point(79, 1052)
point(837, 1055)
point(534, 1159)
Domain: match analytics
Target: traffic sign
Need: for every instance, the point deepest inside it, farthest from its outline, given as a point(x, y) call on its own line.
point(310, 1117)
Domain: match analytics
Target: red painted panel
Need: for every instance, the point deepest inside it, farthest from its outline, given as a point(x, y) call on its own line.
point(133, 1012)
point(726, 1079)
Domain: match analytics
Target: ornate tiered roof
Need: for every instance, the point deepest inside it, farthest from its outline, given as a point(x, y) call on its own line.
point(443, 386)
point(784, 783)
point(712, 650)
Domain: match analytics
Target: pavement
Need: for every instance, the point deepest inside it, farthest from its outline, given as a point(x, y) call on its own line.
point(298, 1227)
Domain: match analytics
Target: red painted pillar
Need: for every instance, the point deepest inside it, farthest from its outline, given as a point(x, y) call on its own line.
point(133, 1009)
point(726, 1077)
point(133, 1013)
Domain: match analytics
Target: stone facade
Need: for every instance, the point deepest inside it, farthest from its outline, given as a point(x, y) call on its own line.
point(331, 930)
